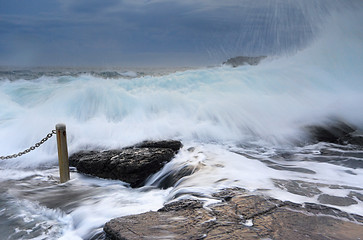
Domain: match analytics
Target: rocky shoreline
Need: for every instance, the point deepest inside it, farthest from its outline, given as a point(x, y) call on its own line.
point(238, 213)
point(238, 216)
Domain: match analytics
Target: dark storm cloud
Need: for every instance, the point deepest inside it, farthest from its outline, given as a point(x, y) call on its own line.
point(143, 32)
point(82, 32)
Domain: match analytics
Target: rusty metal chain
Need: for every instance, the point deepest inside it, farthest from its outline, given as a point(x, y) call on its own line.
point(49, 135)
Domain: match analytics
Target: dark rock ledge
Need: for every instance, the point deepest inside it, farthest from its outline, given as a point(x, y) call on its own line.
point(132, 165)
point(239, 216)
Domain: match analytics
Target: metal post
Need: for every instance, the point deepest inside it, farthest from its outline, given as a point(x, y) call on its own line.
point(62, 152)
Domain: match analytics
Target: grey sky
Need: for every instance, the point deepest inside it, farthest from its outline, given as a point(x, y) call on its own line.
point(149, 32)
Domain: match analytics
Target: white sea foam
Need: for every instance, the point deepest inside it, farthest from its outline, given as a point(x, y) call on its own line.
point(221, 104)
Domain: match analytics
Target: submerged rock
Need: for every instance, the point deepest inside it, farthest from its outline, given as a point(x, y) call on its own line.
point(334, 200)
point(298, 187)
point(244, 60)
point(238, 216)
point(132, 165)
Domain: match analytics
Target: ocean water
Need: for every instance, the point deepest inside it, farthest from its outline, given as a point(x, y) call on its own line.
point(240, 127)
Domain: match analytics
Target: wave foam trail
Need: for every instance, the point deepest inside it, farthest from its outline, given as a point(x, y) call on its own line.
point(264, 171)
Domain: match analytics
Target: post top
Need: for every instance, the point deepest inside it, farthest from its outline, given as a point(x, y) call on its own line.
point(60, 126)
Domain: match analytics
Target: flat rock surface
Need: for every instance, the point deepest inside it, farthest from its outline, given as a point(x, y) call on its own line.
point(238, 216)
point(132, 165)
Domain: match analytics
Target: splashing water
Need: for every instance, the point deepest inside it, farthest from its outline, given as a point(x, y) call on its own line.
point(241, 126)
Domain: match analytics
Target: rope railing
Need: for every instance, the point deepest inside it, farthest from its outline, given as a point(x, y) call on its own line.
point(62, 151)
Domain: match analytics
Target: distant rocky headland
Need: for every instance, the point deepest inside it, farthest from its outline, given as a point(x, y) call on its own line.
point(244, 60)
point(32, 73)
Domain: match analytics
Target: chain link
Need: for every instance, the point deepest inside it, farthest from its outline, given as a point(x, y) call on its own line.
point(49, 135)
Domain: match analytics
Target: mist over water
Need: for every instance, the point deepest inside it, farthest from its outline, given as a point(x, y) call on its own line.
point(236, 124)
point(274, 28)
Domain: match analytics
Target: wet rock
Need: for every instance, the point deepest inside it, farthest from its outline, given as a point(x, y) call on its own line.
point(171, 178)
point(174, 176)
point(182, 204)
point(291, 169)
point(244, 60)
point(358, 195)
point(350, 172)
point(315, 208)
point(159, 225)
point(297, 187)
point(241, 217)
point(337, 201)
point(335, 132)
point(174, 145)
point(132, 165)
point(353, 138)
point(339, 160)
